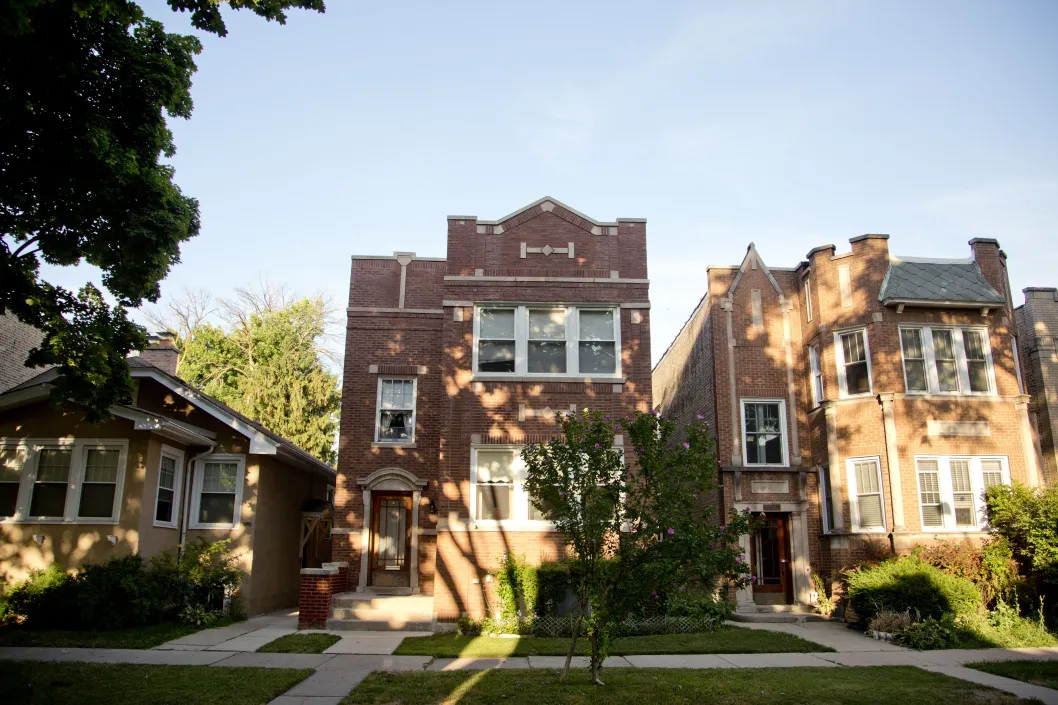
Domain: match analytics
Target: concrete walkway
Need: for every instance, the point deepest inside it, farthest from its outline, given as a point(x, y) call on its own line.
point(336, 674)
point(255, 632)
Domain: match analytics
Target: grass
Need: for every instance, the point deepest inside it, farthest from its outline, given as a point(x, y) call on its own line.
point(301, 644)
point(132, 638)
point(1043, 673)
point(36, 683)
point(860, 686)
point(725, 640)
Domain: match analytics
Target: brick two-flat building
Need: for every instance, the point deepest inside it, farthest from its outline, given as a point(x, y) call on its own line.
point(451, 366)
point(861, 401)
point(1038, 328)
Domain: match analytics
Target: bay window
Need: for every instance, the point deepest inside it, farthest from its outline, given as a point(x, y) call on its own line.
point(951, 490)
point(944, 360)
point(547, 340)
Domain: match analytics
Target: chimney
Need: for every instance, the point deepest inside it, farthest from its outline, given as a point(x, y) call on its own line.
point(993, 264)
point(161, 352)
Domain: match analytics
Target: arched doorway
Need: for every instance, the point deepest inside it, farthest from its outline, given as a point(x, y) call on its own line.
point(389, 542)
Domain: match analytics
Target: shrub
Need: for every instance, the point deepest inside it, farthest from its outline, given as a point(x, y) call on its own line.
point(467, 626)
point(991, 567)
point(930, 634)
point(1028, 520)
point(202, 580)
point(47, 599)
point(825, 604)
point(122, 581)
point(908, 583)
point(698, 607)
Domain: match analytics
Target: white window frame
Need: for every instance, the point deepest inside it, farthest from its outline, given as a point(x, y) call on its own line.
point(808, 298)
point(196, 490)
point(75, 480)
point(521, 341)
point(947, 498)
point(854, 504)
point(961, 366)
point(177, 455)
point(839, 355)
point(378, 409)
point(519, 497)
point(1017, 363)
point(825, 497)
point(784, 438)
point(816, 375)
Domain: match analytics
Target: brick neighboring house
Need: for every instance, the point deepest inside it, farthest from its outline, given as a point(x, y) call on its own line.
point(861, 401)
point(451, 366)
point(16, 340)
point(1038, 324)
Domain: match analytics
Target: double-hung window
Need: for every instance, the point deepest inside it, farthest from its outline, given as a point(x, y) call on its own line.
point(167, 499)
point(217, 497)
point(826, 499)
point(951, 490)
point(854, 362)
point(808, 298)
point(547, 340)
point(62, 481)
point(12, 461)
point(395, 410)
point(865, 494)
point(764, 432)
point(817, 375)
point(947, 360)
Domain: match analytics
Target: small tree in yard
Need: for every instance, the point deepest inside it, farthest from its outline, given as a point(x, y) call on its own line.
point(636, 533)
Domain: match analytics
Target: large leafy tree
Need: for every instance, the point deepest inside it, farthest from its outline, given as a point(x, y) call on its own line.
point(636, 533)
point(264, 357)
point(85, 89)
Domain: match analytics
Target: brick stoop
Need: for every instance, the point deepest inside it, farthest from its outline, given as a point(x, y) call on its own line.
point(371, 611)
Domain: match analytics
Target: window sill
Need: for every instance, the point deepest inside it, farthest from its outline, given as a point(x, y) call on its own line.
point(865, 395)
point(213, 527)
point(164, 526)
point(56, 521)
point(504, 377)
point(383, 444)
point(510, 525)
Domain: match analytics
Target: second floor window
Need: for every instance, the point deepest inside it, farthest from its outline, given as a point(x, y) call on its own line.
point(395, 414)
point(854, 362)
point(764, 431)
point(547, 340)
point(817, 375)
point(946, 360)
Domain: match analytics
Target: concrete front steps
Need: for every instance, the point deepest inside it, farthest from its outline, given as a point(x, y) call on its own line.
point(372, 611)
point(789, 614)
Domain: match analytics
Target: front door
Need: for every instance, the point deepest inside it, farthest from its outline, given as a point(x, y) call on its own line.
point(771, 562)
point(391, 540)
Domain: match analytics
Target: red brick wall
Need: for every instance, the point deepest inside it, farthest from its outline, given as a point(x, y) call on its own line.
point(451, 407)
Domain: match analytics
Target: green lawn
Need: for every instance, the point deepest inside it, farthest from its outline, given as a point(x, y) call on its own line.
point(1043, 673)
point(133, 638)
point(37, 683)
point(854, 686)
point(301, 644)
point(725, 640)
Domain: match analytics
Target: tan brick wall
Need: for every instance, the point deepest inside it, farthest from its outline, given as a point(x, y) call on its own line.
point(1038, 329)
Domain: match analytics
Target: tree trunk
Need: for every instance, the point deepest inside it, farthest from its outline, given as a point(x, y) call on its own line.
point(572, 643)
point(596, 661)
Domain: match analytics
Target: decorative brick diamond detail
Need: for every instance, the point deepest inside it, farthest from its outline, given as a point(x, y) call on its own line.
point(547, 250)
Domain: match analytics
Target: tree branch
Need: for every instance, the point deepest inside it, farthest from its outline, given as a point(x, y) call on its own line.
point(15, 254)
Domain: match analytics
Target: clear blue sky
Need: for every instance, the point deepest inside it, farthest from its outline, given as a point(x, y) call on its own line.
point(792, 124)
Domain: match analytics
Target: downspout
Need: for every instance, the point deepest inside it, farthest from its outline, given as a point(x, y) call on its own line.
point(185, 513)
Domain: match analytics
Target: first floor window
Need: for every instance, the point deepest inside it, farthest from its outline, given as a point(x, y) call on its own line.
point(764, 430)
point(99, 484)
point(396, 411)
point(12, 460)
point(495, 484)
point(952, 489)
point(165, 503)
point(865, 490)
point(52, 480)
point(826, 499)
point(221, 480)
point(854, 368)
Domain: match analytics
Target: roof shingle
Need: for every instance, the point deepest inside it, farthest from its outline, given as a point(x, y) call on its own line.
point(960, 282)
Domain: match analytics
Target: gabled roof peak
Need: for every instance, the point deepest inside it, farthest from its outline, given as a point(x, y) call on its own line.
point(549, 204)
point(752, 260)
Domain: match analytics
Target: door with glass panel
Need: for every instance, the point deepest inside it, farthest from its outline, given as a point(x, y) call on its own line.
point(771, 562)
point(391, 540)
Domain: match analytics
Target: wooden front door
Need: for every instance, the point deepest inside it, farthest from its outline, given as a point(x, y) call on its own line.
point(771, 561)
point(391, 540)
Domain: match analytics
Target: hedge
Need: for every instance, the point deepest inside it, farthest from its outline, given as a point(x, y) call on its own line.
point(908, 583)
